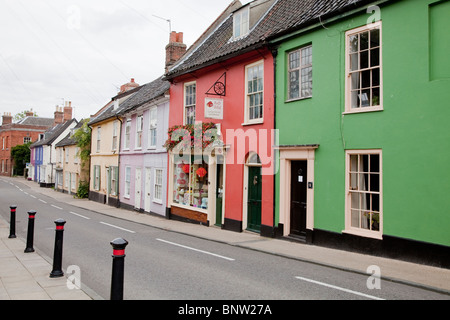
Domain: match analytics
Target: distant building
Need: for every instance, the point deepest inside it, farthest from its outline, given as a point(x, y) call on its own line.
point(18, 133)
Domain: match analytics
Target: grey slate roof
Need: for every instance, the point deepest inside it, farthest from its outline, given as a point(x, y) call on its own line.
point(37, 121)
point(149, 92)
point(110, 112)
point(146, 93)
point(68, 140)
point(284, 16)
point(53, 133)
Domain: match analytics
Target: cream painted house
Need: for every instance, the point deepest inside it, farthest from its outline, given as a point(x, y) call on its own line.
point(69, 169)
point(105, 144)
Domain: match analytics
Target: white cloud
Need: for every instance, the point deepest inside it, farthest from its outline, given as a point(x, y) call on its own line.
point(83, 50)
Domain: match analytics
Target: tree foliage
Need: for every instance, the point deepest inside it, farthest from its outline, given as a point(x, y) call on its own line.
point(83, 139)
point(22, 115)
point(21, 156)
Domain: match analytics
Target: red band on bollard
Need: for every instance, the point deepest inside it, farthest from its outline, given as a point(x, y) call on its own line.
point(31, 217)
point(118, 252)
point(13, 210)
point(59, 227)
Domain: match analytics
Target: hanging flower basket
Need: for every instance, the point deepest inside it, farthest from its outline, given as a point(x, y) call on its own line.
point(201, 172)
point(201, 136)
point(186, 168)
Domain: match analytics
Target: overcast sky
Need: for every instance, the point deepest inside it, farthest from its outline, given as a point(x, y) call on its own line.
point(82, 51)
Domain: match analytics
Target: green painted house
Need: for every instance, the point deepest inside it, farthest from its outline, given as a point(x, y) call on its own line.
point(363, 112)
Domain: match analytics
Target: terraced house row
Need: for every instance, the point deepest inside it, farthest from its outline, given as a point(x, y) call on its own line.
point(317, 121)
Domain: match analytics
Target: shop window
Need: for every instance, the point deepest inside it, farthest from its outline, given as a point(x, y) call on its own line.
point(190, 182)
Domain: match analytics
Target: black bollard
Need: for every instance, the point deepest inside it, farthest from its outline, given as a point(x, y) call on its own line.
point(12, 223)
point(30, 234)
point(57, 254)
point(118, 268)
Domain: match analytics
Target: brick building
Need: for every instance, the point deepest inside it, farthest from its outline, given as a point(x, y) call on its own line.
point(26, 130)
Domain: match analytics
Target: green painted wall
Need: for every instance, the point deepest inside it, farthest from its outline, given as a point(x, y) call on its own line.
point(413, 130)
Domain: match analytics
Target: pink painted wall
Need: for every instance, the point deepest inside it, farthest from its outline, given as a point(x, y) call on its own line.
point(234, 103)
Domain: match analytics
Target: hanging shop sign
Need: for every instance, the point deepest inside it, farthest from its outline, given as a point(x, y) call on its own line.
point(214, 108)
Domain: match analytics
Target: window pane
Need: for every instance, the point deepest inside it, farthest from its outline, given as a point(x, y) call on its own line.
point(354, 45)
point(364, 63)
point(375, 182)
point(375, 38)
point(356, 81)
point(365, 79)
point(355, 200)
point(375, 77)
point(375, 221)
point(364, 41)
point(355, 218)
point(294, 87)
point(294, 60)
point(365, 98)
point(354, 62)
point(376, 202)
point(365, 220)
point(376, 97)
point(355, 99)
point(374, 163)
point(375, 57)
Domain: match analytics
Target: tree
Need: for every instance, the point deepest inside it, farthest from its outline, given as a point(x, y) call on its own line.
point(21, 156)
point(21, 115)
point(83, 139)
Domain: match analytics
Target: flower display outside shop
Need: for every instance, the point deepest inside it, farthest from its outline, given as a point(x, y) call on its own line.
point(201, 136)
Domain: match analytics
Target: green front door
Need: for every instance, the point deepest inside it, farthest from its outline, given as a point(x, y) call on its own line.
point(219, 194)
point(254, 199)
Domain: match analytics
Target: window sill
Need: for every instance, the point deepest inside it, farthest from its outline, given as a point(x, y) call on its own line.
point(363, 110)
point(253, 122)
point(364, 233)
point(157, 201)
point(298, 99)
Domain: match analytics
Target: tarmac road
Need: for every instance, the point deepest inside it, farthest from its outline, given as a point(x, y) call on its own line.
point(167, 265)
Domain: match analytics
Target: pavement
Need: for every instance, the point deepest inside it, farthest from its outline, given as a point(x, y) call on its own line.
point(26, 276)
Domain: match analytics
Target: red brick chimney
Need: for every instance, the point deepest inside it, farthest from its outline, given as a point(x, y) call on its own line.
point(175, 49)
point(59, 116)
point(128, 86)
point(7, 118)
point(29, 113)
point(68, 111)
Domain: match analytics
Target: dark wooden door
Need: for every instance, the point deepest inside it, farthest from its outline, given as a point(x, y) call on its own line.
point(254, 199)
point(299, 187)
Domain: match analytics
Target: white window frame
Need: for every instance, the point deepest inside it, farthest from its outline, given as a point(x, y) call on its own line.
point(97, 170)
point(127, 139)
point(348, 72)
point(153, 128)
point(76, 157)
point(247, 120)
point(26, 140)
point(67, 154)
point(241, 23)
point(303, 65)
point(114, 186)
point(158, 185)
point(187, 105)
point(139, 131)
point(73, 181)
point(127, 179)
point(99, 133)
point(349, 190)
point(115, 134)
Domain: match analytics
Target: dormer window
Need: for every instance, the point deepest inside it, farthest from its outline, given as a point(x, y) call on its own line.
point(241, 22)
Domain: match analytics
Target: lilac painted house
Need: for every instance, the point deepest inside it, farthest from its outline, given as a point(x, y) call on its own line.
point(143, 159)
